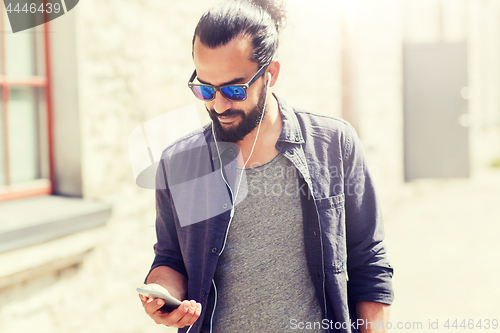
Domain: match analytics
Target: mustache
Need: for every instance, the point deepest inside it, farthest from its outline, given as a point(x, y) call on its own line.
point(228, 113)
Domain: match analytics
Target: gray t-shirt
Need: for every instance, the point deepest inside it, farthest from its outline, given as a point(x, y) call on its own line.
point(262, 278)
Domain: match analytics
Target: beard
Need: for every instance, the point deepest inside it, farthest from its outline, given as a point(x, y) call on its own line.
point(247, 123)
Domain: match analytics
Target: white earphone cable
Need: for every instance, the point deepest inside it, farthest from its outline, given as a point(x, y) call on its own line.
point(233, 197)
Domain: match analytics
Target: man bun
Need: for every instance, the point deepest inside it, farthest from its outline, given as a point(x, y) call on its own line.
point(276, 9)
point(260, 20)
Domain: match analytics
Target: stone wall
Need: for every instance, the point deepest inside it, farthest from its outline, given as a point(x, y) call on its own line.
point(134, 59)
point(376, 40)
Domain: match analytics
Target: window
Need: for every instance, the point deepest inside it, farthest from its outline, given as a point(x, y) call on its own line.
point(25, 114)
point(31, 163)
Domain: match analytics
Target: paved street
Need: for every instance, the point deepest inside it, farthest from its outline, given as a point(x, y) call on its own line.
point(443, 244)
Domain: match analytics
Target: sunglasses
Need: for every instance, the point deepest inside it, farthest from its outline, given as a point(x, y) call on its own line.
point(232, 92)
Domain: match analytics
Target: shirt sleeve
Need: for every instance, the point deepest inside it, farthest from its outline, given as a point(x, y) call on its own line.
point(167, 249)
point(369, 270)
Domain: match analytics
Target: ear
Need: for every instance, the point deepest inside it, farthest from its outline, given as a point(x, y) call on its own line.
point(274, 70)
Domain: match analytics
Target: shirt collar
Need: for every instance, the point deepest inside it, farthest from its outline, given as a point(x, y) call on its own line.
point(291, 131)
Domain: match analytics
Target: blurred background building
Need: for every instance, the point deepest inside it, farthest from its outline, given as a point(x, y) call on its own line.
point(418, 79)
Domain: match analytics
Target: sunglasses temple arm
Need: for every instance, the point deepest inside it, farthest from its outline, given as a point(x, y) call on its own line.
point(192, 77)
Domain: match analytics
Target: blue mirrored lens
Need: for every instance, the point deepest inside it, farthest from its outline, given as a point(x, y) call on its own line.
point(203, 92)
point(234, 93)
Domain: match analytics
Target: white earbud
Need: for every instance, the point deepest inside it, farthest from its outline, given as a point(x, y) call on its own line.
point(269, 76)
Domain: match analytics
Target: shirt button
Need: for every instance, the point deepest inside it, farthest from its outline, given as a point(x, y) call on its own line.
point(228, 166)
point(314, 233)
point(214, 250)
point(224, 206)
point(230, 151)
point(297, 139)
point(203, 294)
point(291, 152)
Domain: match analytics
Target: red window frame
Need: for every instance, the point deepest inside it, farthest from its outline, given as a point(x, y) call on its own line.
point(34, 188)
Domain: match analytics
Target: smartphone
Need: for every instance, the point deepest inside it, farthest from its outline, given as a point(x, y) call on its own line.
point(171, 303)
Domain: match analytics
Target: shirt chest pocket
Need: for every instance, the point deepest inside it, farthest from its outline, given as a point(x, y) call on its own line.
point(331, 212)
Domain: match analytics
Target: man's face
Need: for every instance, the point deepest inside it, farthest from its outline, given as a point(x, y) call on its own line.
point(246, 123)
point(231, 64)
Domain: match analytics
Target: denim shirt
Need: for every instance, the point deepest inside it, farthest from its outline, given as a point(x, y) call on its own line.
point(343, 229)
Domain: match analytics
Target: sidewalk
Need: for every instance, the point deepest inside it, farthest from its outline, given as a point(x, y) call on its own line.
point(443, 245)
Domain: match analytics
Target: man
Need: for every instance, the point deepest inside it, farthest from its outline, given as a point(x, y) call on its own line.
point(303, 249)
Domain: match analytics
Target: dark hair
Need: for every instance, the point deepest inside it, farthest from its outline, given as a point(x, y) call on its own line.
point(261, 20)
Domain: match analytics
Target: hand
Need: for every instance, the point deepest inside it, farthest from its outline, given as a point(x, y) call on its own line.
point(185, 315)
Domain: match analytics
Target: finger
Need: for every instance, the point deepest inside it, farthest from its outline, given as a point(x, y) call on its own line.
point(196, 314)
point(188, 317)
point(152, 305)
point(175, 316)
